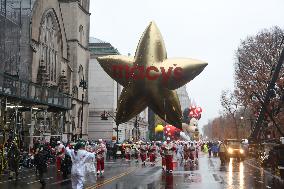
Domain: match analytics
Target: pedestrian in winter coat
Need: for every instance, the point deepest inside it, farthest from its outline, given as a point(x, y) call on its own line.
point(205, 148)
point(40, 160)
point(215, 149)
point(13, 157)
point(79, 157)
point(222, 153)
point(210, 148)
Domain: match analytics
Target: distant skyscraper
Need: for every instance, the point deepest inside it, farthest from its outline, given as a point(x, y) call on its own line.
point(183, 97)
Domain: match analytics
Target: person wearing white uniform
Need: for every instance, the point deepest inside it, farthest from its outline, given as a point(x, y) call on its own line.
point(79, 157)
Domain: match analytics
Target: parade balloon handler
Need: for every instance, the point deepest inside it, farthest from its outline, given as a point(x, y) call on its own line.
point(79, 157)
point(40, 160)
point(222, 153)
point(169, 149)
point(100, 151)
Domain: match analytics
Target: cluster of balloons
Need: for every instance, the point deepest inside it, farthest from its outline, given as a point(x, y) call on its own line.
point(168, 131)
point(195, 112)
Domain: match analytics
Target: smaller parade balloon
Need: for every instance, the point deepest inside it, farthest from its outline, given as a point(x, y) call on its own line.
point(171, 131)
point(159, 128)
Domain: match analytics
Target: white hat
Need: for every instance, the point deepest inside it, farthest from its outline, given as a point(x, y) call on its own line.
point(168, 138)
point(58, 142)
point(100, 140)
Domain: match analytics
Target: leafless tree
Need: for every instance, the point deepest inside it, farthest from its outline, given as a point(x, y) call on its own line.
point(256, 59)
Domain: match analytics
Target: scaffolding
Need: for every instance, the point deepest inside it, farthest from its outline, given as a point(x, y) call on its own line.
point(10, 30)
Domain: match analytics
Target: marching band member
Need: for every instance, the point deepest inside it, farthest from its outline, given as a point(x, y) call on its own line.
point(100, 151)
point(169, 149)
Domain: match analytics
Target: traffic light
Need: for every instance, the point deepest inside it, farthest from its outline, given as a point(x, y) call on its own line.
point(115, 129)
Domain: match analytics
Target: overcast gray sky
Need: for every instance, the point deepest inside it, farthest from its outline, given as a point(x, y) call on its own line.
point(209, 30)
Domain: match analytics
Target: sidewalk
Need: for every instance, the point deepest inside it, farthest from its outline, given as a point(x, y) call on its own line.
point(256, 164)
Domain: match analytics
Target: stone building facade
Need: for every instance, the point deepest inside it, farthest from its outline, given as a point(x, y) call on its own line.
point(53, 58)
point(183, 98)
point(103, 95)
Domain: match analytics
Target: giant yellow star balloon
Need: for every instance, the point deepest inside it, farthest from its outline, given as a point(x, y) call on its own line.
point(149, 78)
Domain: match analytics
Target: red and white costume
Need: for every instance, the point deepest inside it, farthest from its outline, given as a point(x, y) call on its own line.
point(135, 149)
point(100, 151)
point(163, 158)
point(169, 149)
point(60, 151)
point(152, 153)
point(186, 152)
point(143, 153)
point(127, 152)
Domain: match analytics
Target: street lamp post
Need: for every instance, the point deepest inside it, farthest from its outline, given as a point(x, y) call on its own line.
point(104, 116)
point(83, 85)
point(136, 125)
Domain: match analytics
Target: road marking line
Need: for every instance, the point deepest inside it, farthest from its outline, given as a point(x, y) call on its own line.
point(111, 179)
point(114, 178)
point(39, 180)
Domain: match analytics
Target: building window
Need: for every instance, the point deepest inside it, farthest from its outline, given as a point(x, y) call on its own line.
point(81, 73)
point(81, 33)
point(49, 45)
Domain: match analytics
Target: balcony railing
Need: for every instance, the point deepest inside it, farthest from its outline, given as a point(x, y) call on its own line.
point(30, 92)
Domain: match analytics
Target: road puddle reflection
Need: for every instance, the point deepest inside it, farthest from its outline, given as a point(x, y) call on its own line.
point(235, 168)
point(241, 174)
point(230, 177)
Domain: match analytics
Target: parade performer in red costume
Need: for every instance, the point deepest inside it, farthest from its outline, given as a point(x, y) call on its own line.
point(100, 151)
point(60, 152)
point(143, 153)
point(169, 149)
point(152, 153)
point(127, 152)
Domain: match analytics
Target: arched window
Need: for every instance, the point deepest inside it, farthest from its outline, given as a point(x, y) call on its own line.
point(81, 33)
point(49, 44)
point(81, 73)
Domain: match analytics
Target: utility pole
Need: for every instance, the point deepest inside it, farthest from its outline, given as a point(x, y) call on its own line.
point(83, 85)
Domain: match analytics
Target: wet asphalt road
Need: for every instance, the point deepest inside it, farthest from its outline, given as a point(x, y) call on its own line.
point(122, 175)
